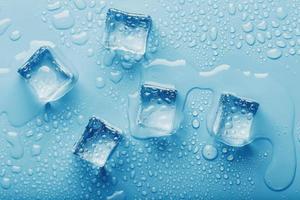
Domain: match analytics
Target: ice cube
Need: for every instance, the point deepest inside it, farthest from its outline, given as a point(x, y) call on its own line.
point(47, 75)
point(233, 121)
point(97, 142)
point(157, 110)
point(127, 32)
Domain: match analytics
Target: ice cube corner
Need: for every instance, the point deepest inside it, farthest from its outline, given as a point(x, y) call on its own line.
point(127, 32)
point(47, 75)
point(234, 119)
point(97, 142)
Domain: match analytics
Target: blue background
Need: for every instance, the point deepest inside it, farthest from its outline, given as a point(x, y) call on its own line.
point(171, 168)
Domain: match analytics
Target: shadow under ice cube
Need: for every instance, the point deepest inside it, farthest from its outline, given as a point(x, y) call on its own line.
point(233, 121)
point(158, 109)
point(97, 142)
point(47, 75)
point(127, 32)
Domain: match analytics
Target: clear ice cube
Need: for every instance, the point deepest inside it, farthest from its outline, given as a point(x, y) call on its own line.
point(127, 32)
point(233, 121)
point(158, 108)
point(97, 142)
point(47, 75)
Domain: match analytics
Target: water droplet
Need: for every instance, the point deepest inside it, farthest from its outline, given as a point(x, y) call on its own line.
point(116, 76)
point(230, 157)
point(100, 83)
point(17, 149)
point(63, 20)
point(108, 58)
point(36, 150)
point(260, 38)
point(209, 152)
point(54, 6)
point(250, 39)
point(80, 38)
point(262, 25)
point(213, 33)
point(281, 44)
point(15, 35)
point(16, 169)
point(274, 53)
point(5, 183)
point(281, 13)
point(195, 123)
point(118, 195)
point(80, 4)
point(231, 9)
point(4, 24)
point(248, 27)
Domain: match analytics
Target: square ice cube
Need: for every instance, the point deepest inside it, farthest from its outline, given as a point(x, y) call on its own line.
point(233, 121)
point(158, 108)
point(97, 142)
point(47, 75)
point(127, 32)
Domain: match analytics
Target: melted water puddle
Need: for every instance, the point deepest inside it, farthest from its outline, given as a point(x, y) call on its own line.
point(274, 122)
point(275, 125)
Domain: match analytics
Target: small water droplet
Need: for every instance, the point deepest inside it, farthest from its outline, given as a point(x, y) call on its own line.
point(15, 35)
point(116, 76)
point(195, 123)
point(100, 83)
point(36, 150)
point(250, 39)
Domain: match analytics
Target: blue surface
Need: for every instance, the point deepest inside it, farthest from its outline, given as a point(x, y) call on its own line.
point(203, 48)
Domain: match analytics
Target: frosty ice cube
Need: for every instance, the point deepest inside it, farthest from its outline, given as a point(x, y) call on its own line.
point(127, 32)
point(233, 121)
point(97, 142)
point(158, 109)
point(47, 75)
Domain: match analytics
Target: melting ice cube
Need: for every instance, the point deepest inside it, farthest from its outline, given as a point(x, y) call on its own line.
point(157, 112)
point(97, 142)
point(47, 75)
point(233, 121)
point(127, 32)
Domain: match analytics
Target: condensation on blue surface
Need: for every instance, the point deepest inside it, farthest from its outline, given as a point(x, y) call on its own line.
point(203, 48)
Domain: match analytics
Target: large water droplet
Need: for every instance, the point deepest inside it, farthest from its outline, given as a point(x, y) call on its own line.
point(80, 4)
point(63, 20)
point(274, 53)
point(209, 152)
point(5, 183)
point(281, 13)
point(80, 38)
point(4, 24)
point(17, 149)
